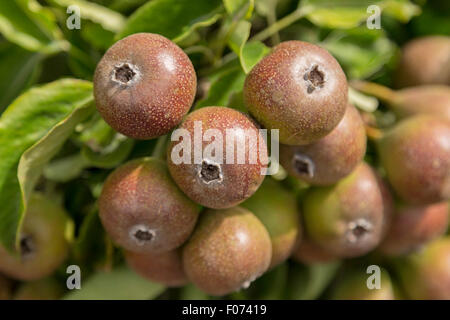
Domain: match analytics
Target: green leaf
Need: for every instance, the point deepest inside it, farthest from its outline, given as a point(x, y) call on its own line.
point(96, 35)
point(309, 282)
point(233, 6)
point(402, 10)
point(112, 155)
point(265, 7)
point(107, 18)
point(31, 131)
point(361, 52)
point(90, 245)
point(272, 285)
point(33, 160)
point(251, 54)
point(191, 292)
point(95, 133)
point(22, 68)
point(431, 22)
point(174, 19)
point(126, 5)
point(119, 284)
point(101, 146)
point(344, 14)
point(31, 26)
point(222, 88)
point(65, 169)
point(239, 36)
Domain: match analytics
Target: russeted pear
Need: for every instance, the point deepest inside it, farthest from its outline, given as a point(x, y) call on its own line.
point(165, 267)
point(142, 209)
point(416, 156)
point(331, 158)
point(300, 89)
point(424, 60)
point(43, 241)
point(412, 227)
point(227, 163)
point(229, 249)
point(346, 219)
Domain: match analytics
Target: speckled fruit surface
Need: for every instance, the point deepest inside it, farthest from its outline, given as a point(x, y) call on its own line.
point(228, 250)
point(331, 158)
point(218, 179)
point(348, 217)
point(425, 60)
point(165, 268)
point(300, 89)
point(416, 157)
point(144, 85)
point(143, 210)
point(43, 243)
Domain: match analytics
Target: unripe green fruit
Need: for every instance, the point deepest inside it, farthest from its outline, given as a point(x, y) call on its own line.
point(165, 268)
point(144, 85)
point(43, 242)
point(276, 207)
point(299, 89)
point(331, 158)
point(44, 289)
point(352, 285)
point(426, 274)
point(425, 61)
point(346, 219)
point(414, 226)
point(416, 157)
point(229, 249)
point(143, 210)
point(214, 181)
point(426, 99)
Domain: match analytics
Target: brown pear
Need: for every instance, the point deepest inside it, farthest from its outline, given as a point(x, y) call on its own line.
point(143, 210)
point(299, 89)
point(425, 61)
point(331, 158)
point(416, 157)
point(412, 227)
point(346, 219)
point(229, 249)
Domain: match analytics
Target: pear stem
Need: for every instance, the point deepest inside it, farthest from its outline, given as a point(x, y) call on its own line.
point(373, 89)
point(160, 148)
point(280, 24)
point(373, 133)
